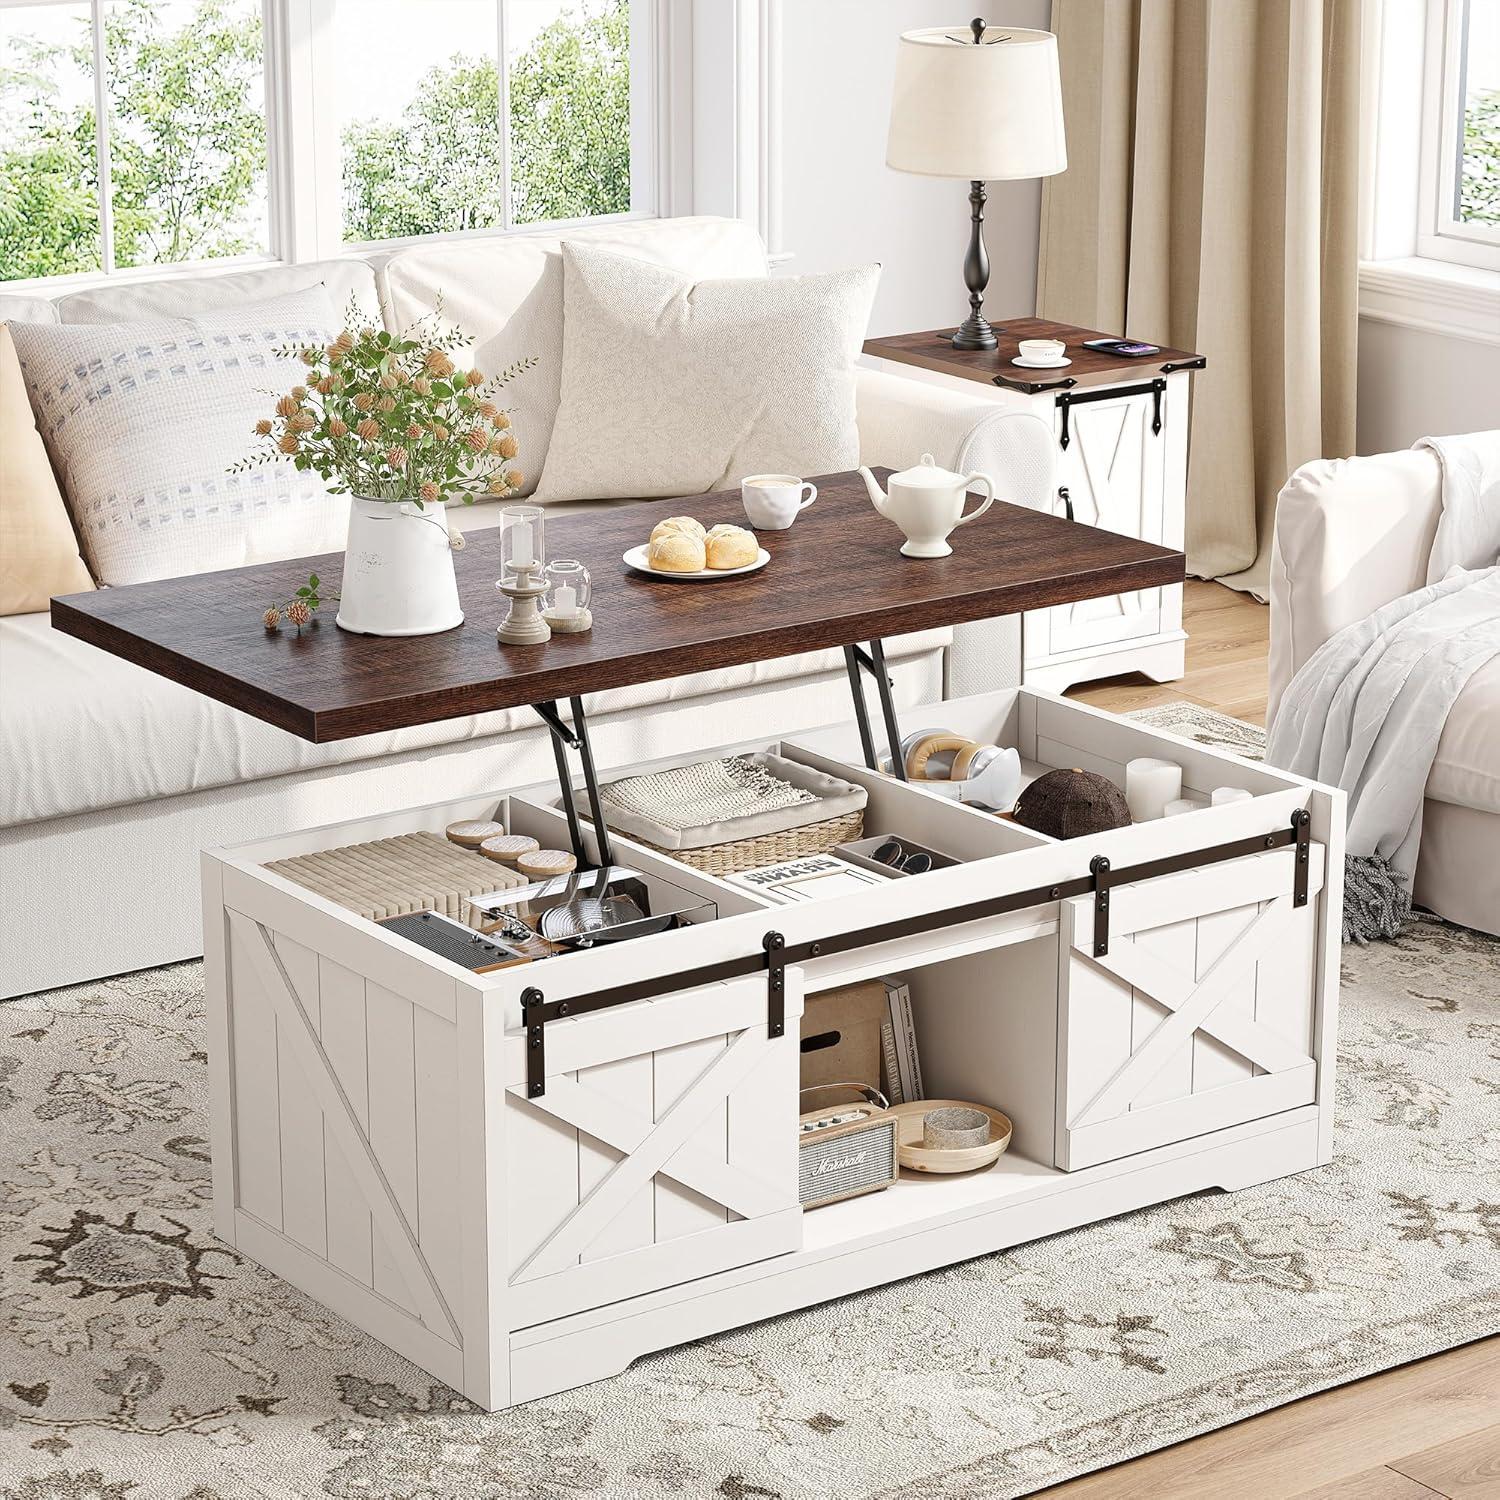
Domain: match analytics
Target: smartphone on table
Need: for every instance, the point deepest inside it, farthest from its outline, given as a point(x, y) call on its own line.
point(1123, 348)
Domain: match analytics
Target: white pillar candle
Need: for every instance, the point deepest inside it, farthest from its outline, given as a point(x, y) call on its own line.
point(1223, 794)
point(565, 601)
point(520, 544)
point(1179, 806)
point(1149, 785)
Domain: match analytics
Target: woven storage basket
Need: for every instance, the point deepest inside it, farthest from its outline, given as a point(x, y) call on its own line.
point(767, 848)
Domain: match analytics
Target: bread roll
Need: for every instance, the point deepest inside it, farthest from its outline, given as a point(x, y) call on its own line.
point(677, 552)
point(730, 547)
point(675, 524)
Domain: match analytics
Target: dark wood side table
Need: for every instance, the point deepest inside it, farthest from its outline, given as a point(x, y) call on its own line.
point(1121, 431)
point(837, 578)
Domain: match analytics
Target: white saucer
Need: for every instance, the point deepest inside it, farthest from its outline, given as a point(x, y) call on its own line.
point(1038, 364)
point(636, 558)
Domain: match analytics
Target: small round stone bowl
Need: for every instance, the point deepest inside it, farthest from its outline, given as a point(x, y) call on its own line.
point(955, 1128)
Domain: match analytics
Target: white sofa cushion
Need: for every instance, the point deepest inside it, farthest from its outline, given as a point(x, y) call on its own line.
point(507, 292)
point(185, 296)
point(82, 731)
point(671, 386)
point(142, 421)
point(27, 309)
point(1466, 771)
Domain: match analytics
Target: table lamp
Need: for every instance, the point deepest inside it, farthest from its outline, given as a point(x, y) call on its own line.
point(983, 106)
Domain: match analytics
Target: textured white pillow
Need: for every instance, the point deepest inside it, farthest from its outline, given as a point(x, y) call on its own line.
point(671, 387)
point(143, 419)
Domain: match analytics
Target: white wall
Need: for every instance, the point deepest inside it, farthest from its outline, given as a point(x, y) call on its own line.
point(1414, 384)
point(841, 205)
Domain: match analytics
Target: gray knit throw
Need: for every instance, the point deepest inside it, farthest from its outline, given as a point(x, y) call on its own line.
point(1377, 903)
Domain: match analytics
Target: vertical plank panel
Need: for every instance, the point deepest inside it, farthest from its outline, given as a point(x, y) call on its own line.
point(1173, 943)
point(257, 1122)
point(541, 1154)
point(302, 1207)
point(1214, 1064)
point(1096, 1037)
point(756, 1141)
point(393, 1119)
point(628, 1081)
point(680, 1210)
point(1285, 980)
point(342, 1028)
point(438, 1219)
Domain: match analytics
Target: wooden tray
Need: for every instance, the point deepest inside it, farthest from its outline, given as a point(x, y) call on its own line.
point(968, 1159)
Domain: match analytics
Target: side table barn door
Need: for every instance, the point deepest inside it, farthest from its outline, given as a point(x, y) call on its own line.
point(1114, 470)
point(1200, 1016)
point(663, 1149)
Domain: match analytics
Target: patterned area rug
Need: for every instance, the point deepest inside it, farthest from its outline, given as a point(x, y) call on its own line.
point(141, 1361)
point(1206, 726)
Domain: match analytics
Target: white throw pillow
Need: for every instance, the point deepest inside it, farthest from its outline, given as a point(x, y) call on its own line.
point(142, 421)
point(671, 387)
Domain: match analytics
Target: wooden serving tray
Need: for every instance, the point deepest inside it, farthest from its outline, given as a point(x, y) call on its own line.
point(965, 1159)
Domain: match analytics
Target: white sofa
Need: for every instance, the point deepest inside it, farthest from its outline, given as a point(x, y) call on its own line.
point(1353, 534)
point(115, 778)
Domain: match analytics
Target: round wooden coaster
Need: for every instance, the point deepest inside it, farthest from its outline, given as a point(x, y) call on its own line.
point(545, 862)
point(507, 848)
point(471, 833)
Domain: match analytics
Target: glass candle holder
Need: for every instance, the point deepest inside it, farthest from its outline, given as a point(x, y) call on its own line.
point(569, 590)
point(523, 542)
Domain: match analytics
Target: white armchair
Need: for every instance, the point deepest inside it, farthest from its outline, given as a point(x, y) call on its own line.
point(1351, 535)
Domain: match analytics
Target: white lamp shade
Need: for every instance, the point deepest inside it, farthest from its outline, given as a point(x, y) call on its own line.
point(983, 112)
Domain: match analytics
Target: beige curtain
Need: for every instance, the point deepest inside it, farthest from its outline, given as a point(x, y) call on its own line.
point(1210, 203)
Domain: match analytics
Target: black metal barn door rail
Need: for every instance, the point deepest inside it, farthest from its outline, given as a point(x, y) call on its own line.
point(537, 1010)
point(1067, 400)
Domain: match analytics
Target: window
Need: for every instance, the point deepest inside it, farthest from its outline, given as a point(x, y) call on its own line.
point(138, 133)
point(435, 137)
point(1460, 182)
point(132, 133)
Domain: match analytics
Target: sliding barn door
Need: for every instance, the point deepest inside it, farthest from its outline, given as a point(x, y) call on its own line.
point(1199, 1017)
point(664, 1148)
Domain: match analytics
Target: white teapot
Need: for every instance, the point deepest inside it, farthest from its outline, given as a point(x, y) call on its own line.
point(927, 503)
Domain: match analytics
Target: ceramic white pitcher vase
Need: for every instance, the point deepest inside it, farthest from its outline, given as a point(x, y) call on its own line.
point(398, 570)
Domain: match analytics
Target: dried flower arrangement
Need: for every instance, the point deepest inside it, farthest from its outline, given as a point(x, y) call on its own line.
point(390, 417)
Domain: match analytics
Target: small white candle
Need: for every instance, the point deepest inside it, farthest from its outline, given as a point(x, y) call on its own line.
point(1149, 785)
point(520, 544)
point(1222, 794)
point(1179, 806)
point(565, 601)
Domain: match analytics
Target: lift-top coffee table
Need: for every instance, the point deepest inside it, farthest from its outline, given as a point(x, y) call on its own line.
point(526, 1178)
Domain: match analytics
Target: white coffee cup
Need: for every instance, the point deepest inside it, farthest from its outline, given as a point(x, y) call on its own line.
point(1043, 351)
point(772, 501)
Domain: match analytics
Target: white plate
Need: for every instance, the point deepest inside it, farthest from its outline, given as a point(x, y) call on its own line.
point(1040, 364)
point(636, 558)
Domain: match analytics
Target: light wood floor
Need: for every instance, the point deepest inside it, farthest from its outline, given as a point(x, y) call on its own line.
point(1431, 1428)
point(1228, 634)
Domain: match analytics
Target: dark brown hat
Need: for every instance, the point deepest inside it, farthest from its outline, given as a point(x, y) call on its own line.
point(1069, 804)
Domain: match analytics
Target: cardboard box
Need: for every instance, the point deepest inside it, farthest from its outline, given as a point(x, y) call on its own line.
point(841, 1037)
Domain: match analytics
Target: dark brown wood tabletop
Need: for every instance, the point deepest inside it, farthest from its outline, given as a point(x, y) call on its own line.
point(836, 577)
point(932, 351)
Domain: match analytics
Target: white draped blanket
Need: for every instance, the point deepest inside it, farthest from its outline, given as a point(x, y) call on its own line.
point(1366, 712)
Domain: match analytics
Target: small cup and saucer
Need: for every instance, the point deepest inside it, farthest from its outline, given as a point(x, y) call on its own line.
point(773, 501)
point(1042, 354)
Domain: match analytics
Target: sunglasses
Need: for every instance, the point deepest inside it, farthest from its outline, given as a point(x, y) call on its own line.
point(893, 854)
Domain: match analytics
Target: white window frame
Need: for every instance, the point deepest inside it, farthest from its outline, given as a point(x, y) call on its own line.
point(1441, 234)
point(1402, 278)
point(304, 169)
